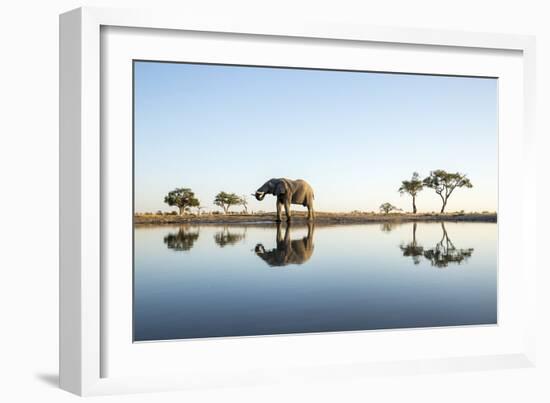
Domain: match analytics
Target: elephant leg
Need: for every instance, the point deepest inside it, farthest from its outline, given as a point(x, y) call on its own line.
point(278, 211)
point(287, 210)
point(310, 211)
point(279, 235)
point(287, 235)
point(310, 230)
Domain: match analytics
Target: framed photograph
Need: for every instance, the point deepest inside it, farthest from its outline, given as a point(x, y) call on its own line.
point(249, 201)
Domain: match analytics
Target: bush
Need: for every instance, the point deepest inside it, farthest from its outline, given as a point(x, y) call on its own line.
point(387, 208)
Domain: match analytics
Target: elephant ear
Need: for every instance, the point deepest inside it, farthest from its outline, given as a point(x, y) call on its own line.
point(281, 188)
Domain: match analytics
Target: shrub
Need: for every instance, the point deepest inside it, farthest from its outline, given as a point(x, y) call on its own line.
point(387, 208)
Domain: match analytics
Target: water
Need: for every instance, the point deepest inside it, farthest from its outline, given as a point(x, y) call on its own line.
point(236, 280)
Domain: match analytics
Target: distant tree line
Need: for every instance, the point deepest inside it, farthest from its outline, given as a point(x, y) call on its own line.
point(184, 199)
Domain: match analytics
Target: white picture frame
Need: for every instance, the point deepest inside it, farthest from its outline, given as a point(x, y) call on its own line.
point(85, 343)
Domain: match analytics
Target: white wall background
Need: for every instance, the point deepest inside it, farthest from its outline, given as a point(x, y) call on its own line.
point(29, 201)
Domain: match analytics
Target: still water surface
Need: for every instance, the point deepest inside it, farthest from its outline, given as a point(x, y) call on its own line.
point(235, 280)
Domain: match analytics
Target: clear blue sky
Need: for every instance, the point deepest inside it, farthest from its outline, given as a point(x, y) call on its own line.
point(352, 135)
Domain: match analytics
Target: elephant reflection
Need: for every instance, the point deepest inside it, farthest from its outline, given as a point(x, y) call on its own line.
point(441, 255)
point(288, 251)
point(183, 240)
point(226, 237)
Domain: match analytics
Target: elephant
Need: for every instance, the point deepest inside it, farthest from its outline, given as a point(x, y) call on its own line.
point(288, 192)
point(288, 251)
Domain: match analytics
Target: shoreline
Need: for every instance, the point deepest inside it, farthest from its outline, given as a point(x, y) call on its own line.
point(320, 218)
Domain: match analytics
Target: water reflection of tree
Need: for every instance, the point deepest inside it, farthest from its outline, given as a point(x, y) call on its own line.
point(387, 227)
point(226, 237)
point(441, 255)
point(412, 249)
point(183, 240)
point(445, 252)
point(287, 251)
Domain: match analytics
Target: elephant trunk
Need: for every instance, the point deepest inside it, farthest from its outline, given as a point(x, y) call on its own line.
point(259, 195)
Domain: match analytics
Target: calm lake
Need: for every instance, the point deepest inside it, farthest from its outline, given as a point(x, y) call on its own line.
point(257, 279)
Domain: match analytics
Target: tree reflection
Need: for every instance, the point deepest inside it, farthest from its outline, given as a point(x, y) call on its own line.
point(183, 240)
point(226, 237)
point(441, 255)
point(288, 251)
point(445, 252)
point(412, 249)
point(387, 227)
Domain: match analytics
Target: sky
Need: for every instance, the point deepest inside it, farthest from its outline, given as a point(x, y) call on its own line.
point(354, 136)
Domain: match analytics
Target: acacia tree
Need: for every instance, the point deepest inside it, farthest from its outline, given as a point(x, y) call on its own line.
point(226, 200)
point(388, 207)
point(412, 188)
point(182, 198)
point(444, 183)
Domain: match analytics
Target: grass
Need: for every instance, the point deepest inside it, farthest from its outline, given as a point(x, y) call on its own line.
point(320, 217)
